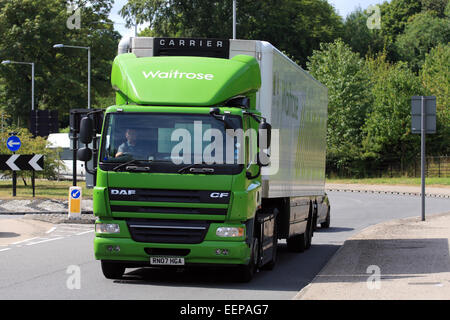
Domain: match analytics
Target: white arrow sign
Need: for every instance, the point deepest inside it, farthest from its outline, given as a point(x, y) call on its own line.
point(12, 143)
point(33, 162)
point(11, 163)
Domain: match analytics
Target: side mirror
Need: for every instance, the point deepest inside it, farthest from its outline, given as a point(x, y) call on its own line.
point(86, 130)
point(265, 130)
point(84, 154)
point(263, 159)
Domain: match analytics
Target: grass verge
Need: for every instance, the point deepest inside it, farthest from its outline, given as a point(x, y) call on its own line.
point(45, 189)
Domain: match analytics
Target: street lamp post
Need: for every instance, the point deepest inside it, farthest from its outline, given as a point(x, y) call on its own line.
point(32, 77)
point(89, 66)
point(74, 137)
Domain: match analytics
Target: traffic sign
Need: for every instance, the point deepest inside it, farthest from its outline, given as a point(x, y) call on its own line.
point(13, 143)
point(75, 203)
point(75, 194)
point(430, 114)
point(18, 162)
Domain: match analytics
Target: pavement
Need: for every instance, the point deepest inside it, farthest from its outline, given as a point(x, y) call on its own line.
point(403, 259)
point(17, 230)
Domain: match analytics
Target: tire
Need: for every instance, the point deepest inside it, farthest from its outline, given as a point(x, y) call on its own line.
point(296, 243)
point(246, 272)
point(326, 224)
point(309, 232)
point(112, 270)
point(302, 242)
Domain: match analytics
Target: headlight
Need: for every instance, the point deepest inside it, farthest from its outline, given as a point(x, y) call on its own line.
point(107, 228)
point(229, 232)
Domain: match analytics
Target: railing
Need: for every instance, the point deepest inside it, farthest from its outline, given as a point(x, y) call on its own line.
point(435, 167)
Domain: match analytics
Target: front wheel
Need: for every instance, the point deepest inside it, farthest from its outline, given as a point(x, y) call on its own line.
point(112, 270)
point(246, 272)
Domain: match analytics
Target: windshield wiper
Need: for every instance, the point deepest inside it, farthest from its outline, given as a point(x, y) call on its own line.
point(195, 170)
point(134, 161)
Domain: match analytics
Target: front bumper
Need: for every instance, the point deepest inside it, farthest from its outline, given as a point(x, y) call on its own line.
point(202, 253)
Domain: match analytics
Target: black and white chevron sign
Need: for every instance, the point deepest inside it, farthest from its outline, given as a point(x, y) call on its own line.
point(18, 162)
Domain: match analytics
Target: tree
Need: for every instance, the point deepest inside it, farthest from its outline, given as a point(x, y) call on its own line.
point(387, 130)
point(437, 6)
point(435, 76)
point(344, 73)
point(394, 17)
point(423, 32)
point(29, 29)
point(294, 26)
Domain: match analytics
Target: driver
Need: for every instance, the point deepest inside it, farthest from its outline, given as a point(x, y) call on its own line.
point(131, 146)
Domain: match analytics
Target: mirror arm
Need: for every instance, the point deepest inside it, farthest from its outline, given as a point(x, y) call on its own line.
point(258, 118)
point(249, 174)
point(93, 172)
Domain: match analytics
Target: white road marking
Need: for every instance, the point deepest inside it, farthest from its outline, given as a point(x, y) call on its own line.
point(46, 240)
point(81, 233)
point(51, 230)
point(5, 249)
point(24, 240)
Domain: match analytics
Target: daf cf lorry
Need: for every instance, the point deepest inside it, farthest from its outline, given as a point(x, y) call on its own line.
point(214, 151)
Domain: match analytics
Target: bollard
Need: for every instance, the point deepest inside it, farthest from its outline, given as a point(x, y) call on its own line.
point(75, 203)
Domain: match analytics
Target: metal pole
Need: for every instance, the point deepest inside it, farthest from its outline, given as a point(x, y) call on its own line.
point(32, 86)
point(14, 181)
point(33, 184)
point(234, 19)
point(74, 160)
point(423, 159)
point(89, 78)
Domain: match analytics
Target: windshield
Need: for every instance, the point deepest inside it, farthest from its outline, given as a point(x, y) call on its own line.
point(179, 139)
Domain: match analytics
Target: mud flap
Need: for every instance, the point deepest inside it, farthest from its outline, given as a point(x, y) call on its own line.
point(266, 223)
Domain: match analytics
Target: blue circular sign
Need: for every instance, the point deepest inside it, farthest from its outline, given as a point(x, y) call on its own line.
point(13, 143)
point(75, 194)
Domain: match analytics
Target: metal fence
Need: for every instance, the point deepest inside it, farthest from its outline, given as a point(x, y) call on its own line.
point(435, 167)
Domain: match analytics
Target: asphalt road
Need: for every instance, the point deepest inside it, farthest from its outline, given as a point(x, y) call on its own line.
point(49, 269)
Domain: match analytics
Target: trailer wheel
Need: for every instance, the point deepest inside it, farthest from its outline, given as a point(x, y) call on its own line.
point(309, 231)
point(112, 270)
point(296, 243)
point(326, 224)
point(246, 272)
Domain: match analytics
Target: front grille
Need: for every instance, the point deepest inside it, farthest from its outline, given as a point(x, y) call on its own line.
point(169, 210)
point(166, 231)
point(162, 195)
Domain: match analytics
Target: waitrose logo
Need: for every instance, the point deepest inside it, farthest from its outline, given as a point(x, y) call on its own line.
point(177, 75)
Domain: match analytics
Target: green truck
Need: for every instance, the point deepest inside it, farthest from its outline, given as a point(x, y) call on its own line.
point(214, 151)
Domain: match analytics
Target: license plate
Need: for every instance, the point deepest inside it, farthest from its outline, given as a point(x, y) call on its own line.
point(166, 261)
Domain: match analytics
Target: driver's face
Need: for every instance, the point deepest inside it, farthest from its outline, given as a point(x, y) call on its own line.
point(131, 136)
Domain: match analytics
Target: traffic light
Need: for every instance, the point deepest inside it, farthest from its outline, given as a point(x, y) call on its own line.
point(43, 122)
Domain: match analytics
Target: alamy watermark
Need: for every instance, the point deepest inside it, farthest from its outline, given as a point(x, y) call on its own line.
point(74, 21)
point(74, 280)
point(237, 147)
point(374, 280)
point(374, 20)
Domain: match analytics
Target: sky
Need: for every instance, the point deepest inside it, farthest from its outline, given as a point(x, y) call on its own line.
point(343, 7)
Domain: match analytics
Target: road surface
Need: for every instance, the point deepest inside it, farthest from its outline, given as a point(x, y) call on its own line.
point(61, 265)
